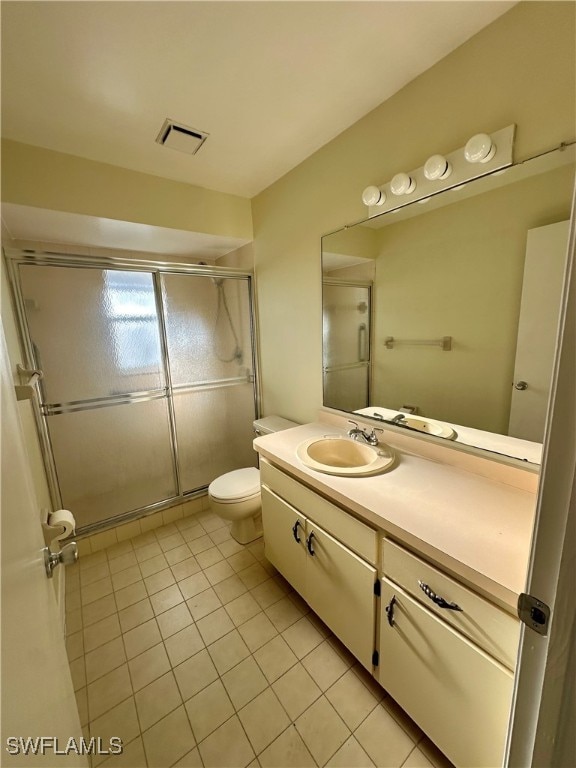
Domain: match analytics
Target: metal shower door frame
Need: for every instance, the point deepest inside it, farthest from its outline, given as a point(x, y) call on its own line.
point(15, 258)
point(368, 363)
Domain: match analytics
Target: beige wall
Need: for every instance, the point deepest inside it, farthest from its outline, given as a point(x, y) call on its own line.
point(46, 179)
point(458, 271)
point(521, 70)
point(241, 258)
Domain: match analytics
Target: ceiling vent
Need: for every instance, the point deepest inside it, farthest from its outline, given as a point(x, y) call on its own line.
point(181, 137)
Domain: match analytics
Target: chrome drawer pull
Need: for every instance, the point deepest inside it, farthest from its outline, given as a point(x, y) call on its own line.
point(295, 532)
point(439, 601)
point(390, 611)
point(309, 544)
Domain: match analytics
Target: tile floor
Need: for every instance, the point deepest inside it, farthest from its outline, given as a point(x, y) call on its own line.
point(195, 652)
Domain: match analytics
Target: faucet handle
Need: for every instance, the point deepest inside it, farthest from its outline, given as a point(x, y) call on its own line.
point(372, 438)
point(353, 422)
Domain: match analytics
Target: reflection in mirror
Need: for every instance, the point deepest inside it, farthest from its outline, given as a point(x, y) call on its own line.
point(482, 264)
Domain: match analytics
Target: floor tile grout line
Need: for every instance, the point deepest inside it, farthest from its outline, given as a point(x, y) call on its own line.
point(262, 611)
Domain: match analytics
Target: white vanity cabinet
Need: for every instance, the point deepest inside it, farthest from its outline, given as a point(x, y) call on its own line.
point(336, 582)
point(459, 694)
point(452, 671)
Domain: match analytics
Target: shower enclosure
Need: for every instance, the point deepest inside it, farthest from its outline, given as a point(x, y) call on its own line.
point(346, 315)
point(148, 388)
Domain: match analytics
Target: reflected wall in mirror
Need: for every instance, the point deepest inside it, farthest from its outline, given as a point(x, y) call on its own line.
point(483, 264)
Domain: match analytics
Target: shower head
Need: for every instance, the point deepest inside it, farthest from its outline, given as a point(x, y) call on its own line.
point(218, 281)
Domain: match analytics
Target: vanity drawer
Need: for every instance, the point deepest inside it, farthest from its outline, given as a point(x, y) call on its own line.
point(491, 628)
point(359, 537)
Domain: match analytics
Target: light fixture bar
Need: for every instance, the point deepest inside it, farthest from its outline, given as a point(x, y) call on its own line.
point(483, 154)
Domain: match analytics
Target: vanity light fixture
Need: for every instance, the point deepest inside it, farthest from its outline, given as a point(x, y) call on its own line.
point(402, 184)
point(437, 167)
point(480, 149)
point(482, 154)
point(373, 195)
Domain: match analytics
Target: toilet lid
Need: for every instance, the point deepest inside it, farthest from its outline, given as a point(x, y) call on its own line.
point(239, 484)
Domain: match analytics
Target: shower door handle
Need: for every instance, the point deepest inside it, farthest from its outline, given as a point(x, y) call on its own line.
point(362, 343)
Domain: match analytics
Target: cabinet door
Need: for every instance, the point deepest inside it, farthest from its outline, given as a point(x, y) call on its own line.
point(284, 539)
point(457, 694)
point(340, 589)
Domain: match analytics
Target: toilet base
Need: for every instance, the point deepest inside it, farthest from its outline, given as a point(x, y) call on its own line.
point(247, 530)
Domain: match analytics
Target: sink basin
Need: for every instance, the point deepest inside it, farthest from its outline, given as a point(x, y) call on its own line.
point(428, 426)
point(337, 455)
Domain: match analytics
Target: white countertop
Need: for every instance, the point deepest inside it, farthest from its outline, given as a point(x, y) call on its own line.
point(475, 527)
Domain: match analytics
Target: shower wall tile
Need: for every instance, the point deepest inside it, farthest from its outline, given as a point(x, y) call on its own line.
point(150, 522)
point(172, 514)
point(84, 547)
point(128, 530)
point(102, 540)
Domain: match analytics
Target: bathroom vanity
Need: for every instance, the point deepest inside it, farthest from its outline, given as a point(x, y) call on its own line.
point(416, 570)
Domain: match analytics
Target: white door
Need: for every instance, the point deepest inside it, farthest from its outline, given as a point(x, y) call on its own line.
point(544, 268)
point(37, 695)
point(544, 712)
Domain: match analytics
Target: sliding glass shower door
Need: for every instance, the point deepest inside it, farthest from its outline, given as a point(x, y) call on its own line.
point(346, 316)
point(148, 388)
point(209, 344)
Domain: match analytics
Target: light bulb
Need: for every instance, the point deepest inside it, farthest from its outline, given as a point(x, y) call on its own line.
point(437, 167)
point(479, 149)
point(402, 184)
point(373, 196)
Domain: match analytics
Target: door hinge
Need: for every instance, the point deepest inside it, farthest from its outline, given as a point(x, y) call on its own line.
point(377, 588)
point(534, 613)
point(375, 659)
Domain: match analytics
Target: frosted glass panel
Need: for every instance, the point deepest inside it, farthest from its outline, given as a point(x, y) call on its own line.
point(95, 331)
point(346, 389)
point(97, 335)
point(114, 459)
point(214, 432)
point(207, 327)
point(346, 324)
point(346, 330)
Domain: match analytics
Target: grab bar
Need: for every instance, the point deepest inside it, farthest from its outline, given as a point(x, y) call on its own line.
point(445, 342)
point(362, 343)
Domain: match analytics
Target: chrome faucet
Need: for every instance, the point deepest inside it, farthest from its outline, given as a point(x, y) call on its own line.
point(398, 419)
point(357, 433)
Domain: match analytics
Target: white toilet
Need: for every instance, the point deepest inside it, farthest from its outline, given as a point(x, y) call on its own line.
point(235, 496)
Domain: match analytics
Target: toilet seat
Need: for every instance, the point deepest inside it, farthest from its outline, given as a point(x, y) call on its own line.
point(240, 484)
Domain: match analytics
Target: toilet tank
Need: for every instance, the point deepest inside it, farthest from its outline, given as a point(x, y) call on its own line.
point(269, 424)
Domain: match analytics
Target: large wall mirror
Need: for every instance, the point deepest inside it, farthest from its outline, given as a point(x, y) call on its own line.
point(442, 316)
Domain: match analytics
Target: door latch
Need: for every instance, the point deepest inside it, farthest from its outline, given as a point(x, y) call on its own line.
point(67, 555)
point(534, 613)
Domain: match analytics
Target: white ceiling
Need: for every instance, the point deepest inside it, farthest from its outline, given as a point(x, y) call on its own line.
point(271, 82)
